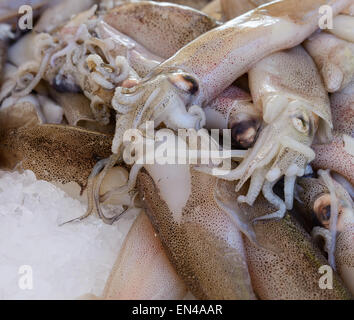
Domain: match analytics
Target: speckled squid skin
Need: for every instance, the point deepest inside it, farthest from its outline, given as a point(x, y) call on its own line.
point(286, 263)
point(234, 8)
point(55, 153)
point(142, 270)
point(316, 200)
point(337, 156)
point(342, 107)
point(219, 111)
point(61, 12)
point(291, 74)
point(200, 239)
point(162, 28)
point(221, 55)
point(3, 51)
point(345, 255)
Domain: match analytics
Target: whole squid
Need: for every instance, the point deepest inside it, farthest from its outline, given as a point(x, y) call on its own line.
point(287, 88)
point(201, 239)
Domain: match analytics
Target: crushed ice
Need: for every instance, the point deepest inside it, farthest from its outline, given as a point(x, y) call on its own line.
point(66, 262)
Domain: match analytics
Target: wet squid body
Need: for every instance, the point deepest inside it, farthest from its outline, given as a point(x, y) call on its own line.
point(203, 216)
point(286, 89)
point(327, 209)
point(209, 252)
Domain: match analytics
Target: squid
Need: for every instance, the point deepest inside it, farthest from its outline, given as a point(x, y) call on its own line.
point(196, 4)
point(283, 260)
point(59, 13)
point(77, 111)
point(334, 57)
point(234, 110)
point(286, 264)
point(289, 91)
point(205, 67)
point(337, 156)
point(343, 26)
point(342, 107)
point(330, 209)
point(235, 8)
point(88, 55)
point(214, 10)
point(201, 240)
point(55, 153)
point(135, 21)
point(142, 270)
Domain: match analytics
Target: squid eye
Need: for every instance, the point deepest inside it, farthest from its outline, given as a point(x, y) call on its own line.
point(301, 123)
point(322, 209)
point(184, 82)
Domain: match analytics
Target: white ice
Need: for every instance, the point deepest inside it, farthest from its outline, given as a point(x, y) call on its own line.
point(66, 262)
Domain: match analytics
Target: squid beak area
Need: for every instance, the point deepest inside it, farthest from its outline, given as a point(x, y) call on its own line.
point(244, 134)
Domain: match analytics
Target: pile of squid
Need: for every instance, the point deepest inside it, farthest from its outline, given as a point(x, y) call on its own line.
point(89, 71)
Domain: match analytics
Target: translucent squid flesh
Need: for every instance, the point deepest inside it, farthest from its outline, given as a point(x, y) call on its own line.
point(284, 262)
point(174, 91)
point(214, 10)
point(223, 54)
point(233, 109)
point(142, 59)
point(287, 88)
point(139, 58)
point(334, 58)
point(61, 12)
point(201, 240)
point(77, 111)
point(343, 27)
point(142, 270)
point(192, 77)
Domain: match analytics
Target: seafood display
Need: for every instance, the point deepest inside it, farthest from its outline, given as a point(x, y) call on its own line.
point(226, 127)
